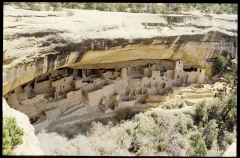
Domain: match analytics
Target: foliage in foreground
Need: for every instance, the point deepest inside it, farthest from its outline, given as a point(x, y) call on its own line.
point(155, 133)
point(217, 119)
point(12, 135)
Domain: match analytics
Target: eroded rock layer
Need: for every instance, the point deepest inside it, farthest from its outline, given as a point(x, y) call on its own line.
point(38, 42)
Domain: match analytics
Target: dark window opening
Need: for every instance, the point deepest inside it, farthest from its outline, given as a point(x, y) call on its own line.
point(49, 74)
point(6, 98)
point(178, 77)
point(153, 78)
point(190, 69)
point(200, 70)
point(63, 86)
point(179, 62)
point(162, 78)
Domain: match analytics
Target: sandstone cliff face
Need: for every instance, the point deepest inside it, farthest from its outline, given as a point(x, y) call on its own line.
point(30, 145)
point(37, 42)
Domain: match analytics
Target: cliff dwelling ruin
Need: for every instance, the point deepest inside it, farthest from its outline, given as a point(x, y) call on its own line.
point(57, 93)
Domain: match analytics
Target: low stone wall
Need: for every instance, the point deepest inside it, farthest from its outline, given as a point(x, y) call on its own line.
point(195, 96)
point(157, 98)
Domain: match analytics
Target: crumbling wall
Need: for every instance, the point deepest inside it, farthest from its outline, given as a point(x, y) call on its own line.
point(178, 71)
point(192, 77)
point(63, 71)
point(146, 72)
point(28, 88)
point(11, 99)
point(65, 83)
point(75, 95)
point(158, 98)
point(94, 97)
point(22, 96)
point(33, 100)
point(108, 90)
point(155, 73)
point(123, 104)
point(53, 73)
point(42, 86)
point(123, 73)
point(134, 82)
point(169, 73)
point(75, 72)
point(200, 75)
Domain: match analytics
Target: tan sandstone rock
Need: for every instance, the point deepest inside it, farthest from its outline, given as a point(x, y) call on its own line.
point(30, 145)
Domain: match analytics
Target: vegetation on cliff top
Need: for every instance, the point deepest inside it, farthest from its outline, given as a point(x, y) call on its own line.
point(154, 8)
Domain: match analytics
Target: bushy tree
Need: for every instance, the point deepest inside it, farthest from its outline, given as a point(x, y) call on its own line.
point(200, 149)
point(219, 64)
point(90, 6)
point(12, 135)
point(195, 138)
point(121, 7)
point(36, 7)
point(124, 113)
point(165, 11)
point(200, 112)
point(74, 5)
point(210, 133)
point(103, 6)
point(229, 112)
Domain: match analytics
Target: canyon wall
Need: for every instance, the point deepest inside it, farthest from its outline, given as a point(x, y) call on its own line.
point(37, 42)
point(30, 145)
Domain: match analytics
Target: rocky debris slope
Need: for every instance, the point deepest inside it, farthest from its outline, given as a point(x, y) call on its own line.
point(30, 145)
point(35, 42)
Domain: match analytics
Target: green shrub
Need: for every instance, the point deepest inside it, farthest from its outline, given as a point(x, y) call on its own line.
point(47, 6)
point(200, 112)
point(189, 123)
point(155, 114)
point(74, 5)
point(70, 13)
point(22, 5)
point(165, 11)
point(154, 9)
point(121, 7)
point(200, 149)
point(12, 135)
point(196, 137)
point(210, 133)
point(136, 8)
point(219, 64)
point(229, 79)
point(162, 146)
point(102, 6)
point(90, 6)
point(124, 113)
point(58, 7)
point(36, 7)
point(182, 124)
point(228, 137)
